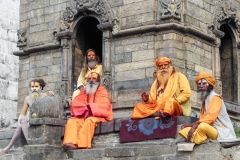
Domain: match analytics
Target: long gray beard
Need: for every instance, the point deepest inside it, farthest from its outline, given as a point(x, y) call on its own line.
point(202, 95)
point(91, 88)
point(34, 96)
point(92, 63)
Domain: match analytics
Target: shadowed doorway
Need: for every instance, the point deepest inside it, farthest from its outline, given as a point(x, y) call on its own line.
point(87, 36)
point(228, 71)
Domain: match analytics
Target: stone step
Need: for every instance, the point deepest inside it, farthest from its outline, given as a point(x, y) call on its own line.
point(151, 149)
point(134, 151)
point(13, 154)
point(5, 137)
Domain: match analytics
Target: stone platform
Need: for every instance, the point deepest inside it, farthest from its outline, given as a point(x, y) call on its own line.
point(106, 146)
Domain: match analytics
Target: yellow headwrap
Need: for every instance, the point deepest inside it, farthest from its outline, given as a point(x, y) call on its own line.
point(209, 78)
point(162, 60)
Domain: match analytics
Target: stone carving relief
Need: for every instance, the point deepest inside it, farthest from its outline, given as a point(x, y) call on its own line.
point(225, 13)
point(115, 26)
point(84, 7)
point(170, 9)
point(106, 81)
point(22, 40)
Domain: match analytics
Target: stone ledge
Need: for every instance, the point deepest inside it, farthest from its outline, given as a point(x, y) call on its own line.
point(6, 134)
point(47, 121)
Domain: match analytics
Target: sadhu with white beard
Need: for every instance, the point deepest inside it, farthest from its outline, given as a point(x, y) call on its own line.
point(90, 107)
point(36, 93)
point(169, 94)
point(91, 64)
point(214, 122)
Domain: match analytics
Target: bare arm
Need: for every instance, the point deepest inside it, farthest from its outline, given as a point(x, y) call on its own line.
point(25, 106)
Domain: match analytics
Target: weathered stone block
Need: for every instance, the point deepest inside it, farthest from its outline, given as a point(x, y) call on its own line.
point(135, 47)
point(142, 55)
point(199, 68)
point(46, 152)
point(45, 134)
point(54, 69)
point(137, 8)
point(49, 106)
point(131, 151)
point(134, 65)
point(41, 63)
point(36, 72)
point(87, 154)
point(122, 58)
point(115, 3)
point(132, 84)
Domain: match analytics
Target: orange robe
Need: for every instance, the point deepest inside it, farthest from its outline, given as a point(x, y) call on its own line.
point(80, 130)
point(175, 100)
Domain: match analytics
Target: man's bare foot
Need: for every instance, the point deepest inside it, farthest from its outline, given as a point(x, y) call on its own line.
point(69, 146)
point(3, 151)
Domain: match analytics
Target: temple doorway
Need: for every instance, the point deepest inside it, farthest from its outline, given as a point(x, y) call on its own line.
point(87, 36)
point(228, 71)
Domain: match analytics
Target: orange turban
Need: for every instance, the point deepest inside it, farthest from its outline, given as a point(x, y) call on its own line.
point(161, 60)
point(209, 78)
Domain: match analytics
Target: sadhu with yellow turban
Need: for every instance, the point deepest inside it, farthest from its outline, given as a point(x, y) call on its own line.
point(169, 94)
point(214, 122)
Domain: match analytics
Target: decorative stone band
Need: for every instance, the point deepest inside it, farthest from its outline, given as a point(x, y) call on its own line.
point(165, 27)
point(27, 51)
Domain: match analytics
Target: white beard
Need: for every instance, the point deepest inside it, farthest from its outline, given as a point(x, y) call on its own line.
point(33, 97)
point(92, 64)
point(163, 76)
point(92, 88)
point(202, 95)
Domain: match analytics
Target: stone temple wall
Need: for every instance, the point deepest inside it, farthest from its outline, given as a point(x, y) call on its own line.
point(135, 33)
point(9, 24)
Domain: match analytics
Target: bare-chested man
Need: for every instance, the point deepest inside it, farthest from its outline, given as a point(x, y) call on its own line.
point(37, 86)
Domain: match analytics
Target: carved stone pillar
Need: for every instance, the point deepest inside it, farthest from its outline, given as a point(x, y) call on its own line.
point(216, 66)
point(107, 79)
point(66, 75)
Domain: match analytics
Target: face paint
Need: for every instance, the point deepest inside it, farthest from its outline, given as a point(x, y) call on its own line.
point(91, 55)
point(163, 66)
point(202, 84)
point(35, 86)
point(93, 77)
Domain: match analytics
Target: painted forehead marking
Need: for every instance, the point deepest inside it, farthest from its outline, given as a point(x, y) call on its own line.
point(35, 83)
point(202, 81)
point(91, 53)
point(93, 75)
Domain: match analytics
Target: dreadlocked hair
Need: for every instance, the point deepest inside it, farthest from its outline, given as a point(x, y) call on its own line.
point(40, 81)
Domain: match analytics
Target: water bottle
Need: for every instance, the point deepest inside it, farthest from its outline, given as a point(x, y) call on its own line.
point(75, 86)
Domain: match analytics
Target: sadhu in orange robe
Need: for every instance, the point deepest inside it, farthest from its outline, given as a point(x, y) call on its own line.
point(175, 100)
point(80, 128)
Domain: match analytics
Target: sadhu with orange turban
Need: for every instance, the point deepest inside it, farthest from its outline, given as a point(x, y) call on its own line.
point(209, 78)
point(214, 122)
point(169, 94)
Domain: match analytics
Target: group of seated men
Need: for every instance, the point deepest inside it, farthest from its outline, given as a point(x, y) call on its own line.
point(169, 95)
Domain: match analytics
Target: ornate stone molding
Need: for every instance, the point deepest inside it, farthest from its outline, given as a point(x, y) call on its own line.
point(165, 27)
point(225, 13)
point(106, 81)
point(22, 40)
point(41, 48)
point(115, 26)
point(170, 10)
point(85, 7)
